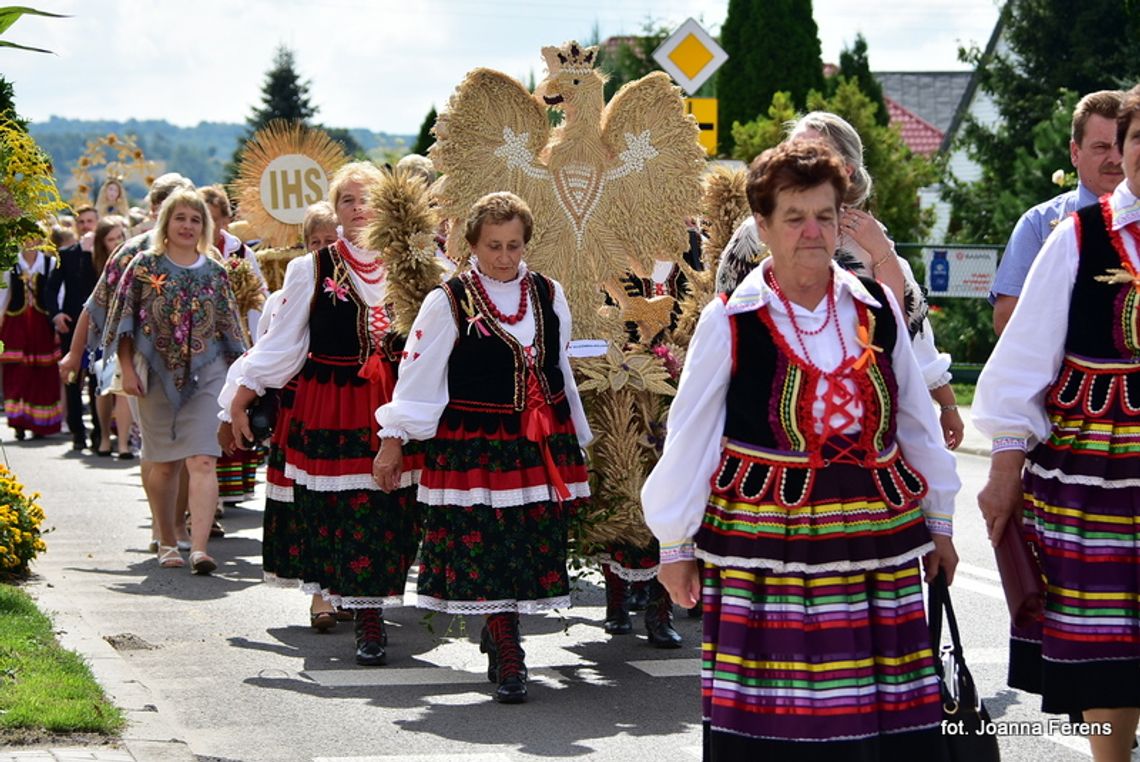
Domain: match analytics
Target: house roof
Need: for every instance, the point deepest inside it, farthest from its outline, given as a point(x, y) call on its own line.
point(919, 135)
point(932, 96)
point(972, 88)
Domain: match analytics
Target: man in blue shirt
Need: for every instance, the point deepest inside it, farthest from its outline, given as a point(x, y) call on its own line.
point(1096, 157)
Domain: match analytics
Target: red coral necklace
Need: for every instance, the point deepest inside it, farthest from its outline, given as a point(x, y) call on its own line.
point(495, 312)
point(364, 269)
point(832, 315)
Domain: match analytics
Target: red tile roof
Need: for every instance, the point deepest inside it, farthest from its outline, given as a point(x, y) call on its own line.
point(920, 135)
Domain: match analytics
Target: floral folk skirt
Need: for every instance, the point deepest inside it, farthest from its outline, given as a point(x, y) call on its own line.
point(341, 536)
point(495, 534)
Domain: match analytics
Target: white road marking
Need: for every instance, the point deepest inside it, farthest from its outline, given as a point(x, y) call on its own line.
point(980, 571)
point(963, 582)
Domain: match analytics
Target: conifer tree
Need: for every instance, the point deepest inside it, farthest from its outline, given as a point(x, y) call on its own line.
point(772, 46)
point(283, 95)
point(425, 139)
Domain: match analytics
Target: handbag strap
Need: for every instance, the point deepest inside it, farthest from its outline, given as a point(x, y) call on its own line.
point(939, 601)
point(966, 690)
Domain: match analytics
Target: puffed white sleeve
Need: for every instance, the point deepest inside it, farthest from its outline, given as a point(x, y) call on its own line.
point(280, 353)
point(676, 492)
point(421, 391)
point(1009, 402)
point(934, 365)
point(577, 412)
point(919, 433)
point(229, 389)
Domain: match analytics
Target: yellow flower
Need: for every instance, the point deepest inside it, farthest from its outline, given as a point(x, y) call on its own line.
point(112, 139)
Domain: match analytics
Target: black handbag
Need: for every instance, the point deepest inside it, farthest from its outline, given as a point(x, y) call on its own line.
point(963, 713)
point(263, 416)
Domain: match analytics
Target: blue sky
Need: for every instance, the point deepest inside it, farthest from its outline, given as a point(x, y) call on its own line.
point(382, 64)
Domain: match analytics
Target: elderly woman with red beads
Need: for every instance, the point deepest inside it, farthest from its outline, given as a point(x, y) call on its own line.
point(805, 470)
point(486, 383)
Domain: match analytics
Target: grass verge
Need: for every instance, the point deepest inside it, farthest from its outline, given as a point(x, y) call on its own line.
point(964, 393)
point(45, 688)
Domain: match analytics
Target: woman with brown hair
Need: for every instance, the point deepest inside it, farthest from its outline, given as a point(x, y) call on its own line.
point(486, 382)
point(109, 233)
point(31, 388)
point(803, 477)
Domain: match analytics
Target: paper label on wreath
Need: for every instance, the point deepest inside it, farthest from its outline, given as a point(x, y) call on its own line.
point(588, 347)
point(289, 184)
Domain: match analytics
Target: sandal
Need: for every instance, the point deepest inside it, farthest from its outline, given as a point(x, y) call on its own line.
point(322, 621)
point(153, 547)
point(169, 557)
point(201, 563)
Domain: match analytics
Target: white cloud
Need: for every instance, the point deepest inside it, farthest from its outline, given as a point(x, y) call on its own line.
point(382, 64)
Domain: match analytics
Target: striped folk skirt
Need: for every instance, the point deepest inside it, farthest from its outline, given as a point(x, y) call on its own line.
point(1082, 513)
point(815, 637)
point(31, 376)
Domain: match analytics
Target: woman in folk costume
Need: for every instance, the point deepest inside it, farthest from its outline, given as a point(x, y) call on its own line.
point(1060, 396)
point(174, 326)
point(804, 466)
point(865, 250)
point(348, 541)
point(486, 383)
point(319, 231)
point(31, 386)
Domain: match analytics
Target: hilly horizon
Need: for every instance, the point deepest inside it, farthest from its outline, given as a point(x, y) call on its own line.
point(200, 152)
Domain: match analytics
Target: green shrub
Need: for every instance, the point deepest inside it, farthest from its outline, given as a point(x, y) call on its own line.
point(20, 520)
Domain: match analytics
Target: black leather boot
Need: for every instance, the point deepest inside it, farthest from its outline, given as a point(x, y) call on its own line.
point(638, 596)
point(371, 637)
point(505, 665)
point(659, 618)
point(617, 604)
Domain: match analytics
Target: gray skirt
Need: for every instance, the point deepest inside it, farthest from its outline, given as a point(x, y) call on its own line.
point(168, 436)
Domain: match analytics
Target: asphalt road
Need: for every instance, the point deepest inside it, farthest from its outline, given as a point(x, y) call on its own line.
point(226, 668)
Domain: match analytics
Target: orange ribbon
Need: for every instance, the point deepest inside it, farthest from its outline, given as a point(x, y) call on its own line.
point(863, 336)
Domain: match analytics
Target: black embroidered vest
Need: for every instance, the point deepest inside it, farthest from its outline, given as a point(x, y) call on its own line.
point(19, 299)
point(486, 375)
point(763, 405)
point(1097, 308)
point(339, 340)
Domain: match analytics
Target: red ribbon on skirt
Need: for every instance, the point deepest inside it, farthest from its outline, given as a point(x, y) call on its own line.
point(382, 381)
point(538, 424)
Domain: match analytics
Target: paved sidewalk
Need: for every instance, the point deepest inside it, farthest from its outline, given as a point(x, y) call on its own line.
point(972, 441)
point(67, 755)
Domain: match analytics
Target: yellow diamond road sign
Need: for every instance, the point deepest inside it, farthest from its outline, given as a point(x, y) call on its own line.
point(690, 56)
